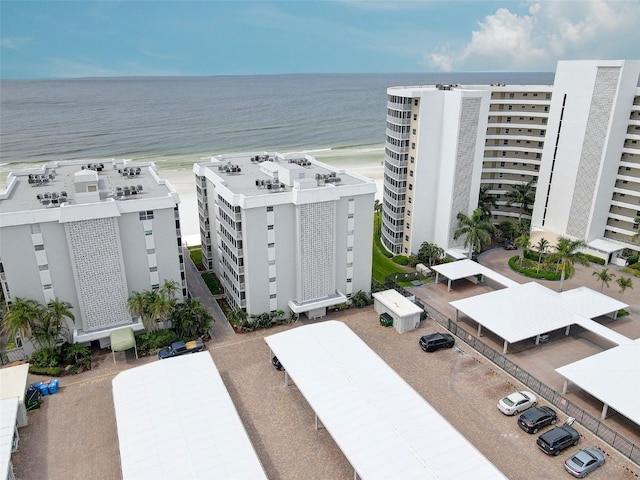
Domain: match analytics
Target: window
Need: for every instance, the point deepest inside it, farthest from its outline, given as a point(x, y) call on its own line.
point(510, 107)
point(146, 215)
point(47, 286)
point(39, 247)
point(408, 225)
point(350, 215)
point(508, 119)
point(148, 232)
point(411, 173)
point(349, 280)
point(406, 238)
point(409, 199)
point(349, 249)
point(413, 159)
point(414, 131)
point(273, 296)
point(504, 154)
point(413, 146)
point(410, 186)
point(151, 251)
point(350, 264)
point(270, 209)
point(271, 245)
point(415, 102)
point(502, 164)
point(415, 116)
point(43, 267)
point(35, 228)
point(272, 262)
point(153, 269)
point(272, 279)
point(269, 227)
point(501, 175)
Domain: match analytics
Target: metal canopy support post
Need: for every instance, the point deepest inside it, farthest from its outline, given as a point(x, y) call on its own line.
point(564, 386)
point(504, 349)
point(457, 314)
point(437, 277)
point(286, 379)
point(538, 339)
point(449, 285)
point(479, 330)
point(355, 474)
point(566, 330)
point(604, 412)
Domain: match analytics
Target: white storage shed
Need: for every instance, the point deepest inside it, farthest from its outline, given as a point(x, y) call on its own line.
point(405, 313)
point(13, 383)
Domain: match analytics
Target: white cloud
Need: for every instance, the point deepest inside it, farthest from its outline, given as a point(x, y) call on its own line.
point(545, 33)
point(14, 42)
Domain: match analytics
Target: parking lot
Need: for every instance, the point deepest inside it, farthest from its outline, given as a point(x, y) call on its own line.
point(73, 435)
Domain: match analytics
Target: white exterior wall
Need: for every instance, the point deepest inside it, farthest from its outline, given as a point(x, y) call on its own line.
point(321, 238)
point(448, 164)
point(597, 99)
point(95, 253)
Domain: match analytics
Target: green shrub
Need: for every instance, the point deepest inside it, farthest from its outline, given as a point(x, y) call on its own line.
point(529, 269)
point(50, 371)
point(150, 342)
point(594, 259)
point(213, 283)
point(622, 313)
point(401, 260)
point(633, 258)
point(635, 266)
point(46, 358)
point(360, 299)
point(196, 255)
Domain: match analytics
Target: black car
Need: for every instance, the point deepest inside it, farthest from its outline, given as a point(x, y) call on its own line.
point(557, 439)
point(436, 341)
point(536, 418)
point(276, 363)
point(180, 348)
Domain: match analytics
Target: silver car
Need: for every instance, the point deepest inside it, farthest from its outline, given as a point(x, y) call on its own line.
point(583, 462)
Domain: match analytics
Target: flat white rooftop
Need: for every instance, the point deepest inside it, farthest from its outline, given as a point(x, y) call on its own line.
point(397, 303)
point(8, 416)
point(613, 377)
point(469, 268)
point(274, 174)
point(24, 187)
point(175, 419)
point(590, 303)
point(384, 427)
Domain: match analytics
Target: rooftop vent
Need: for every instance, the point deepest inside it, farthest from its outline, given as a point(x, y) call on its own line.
point(303, 162)
point(52, 198)
point(327, 178)
point(129, 172)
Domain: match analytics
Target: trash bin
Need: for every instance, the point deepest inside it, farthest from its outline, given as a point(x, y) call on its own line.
point(53, 386)
point(44, 387)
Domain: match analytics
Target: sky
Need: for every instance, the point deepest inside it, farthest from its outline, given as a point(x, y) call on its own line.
point(69, 39)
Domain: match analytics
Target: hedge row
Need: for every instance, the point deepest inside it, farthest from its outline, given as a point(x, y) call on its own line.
point(530, 271)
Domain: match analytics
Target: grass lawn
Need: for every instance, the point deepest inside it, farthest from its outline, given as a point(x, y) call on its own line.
point(195, 252)
point(213, 283)
point(382, 265)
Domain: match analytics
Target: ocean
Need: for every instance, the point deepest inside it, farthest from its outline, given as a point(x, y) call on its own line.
point(176, 121)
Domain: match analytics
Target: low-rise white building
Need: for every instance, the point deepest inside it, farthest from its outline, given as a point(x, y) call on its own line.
point(89, 233)
point(285, 232)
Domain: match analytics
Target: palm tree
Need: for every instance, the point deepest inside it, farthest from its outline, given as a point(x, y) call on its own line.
point(21, 317)
point(430, 252)
point(541, 246)
point(191, 319)
point(476, 229)
point(138, 306)
point(169, 289)
point(567, 253)
point(52, 327)
point(486, 202)
point(522, 195)
point(507, 228)
point(604, 276)
point(624, 283)
point(523, 242)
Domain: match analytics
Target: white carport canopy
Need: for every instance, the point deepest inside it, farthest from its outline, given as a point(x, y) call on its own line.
point(613, 377)
point(13, 383)
point(469, 268)
point(8, 417)
point(519, 312)
point(384, 427)
point(176, 419)
point(591, 304)
point(397, 303)
point(530, 310)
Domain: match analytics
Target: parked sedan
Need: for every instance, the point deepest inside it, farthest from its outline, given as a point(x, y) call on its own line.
point(436, 341)
point(584, 462)
point(536, 418)
point(180, 348)
point(517, 402)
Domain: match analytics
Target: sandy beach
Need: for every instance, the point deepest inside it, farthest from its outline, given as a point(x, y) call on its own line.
point(183, 181)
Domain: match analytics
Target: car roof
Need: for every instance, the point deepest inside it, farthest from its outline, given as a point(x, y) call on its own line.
point(558, 432)
point(179, 344)
point(585, 454)
point(535, 414)
point(433, 336)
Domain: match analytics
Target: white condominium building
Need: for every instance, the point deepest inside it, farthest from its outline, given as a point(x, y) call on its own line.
point(578, 141)
point(89, 233)
point(285, 232)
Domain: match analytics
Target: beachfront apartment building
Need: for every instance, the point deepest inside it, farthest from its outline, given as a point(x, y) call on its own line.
point(577, 140)
point(90, 233)
point(285, 232)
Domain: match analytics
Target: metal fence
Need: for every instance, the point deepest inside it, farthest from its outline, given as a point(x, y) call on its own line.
point(595, 426)
point(10, 356)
